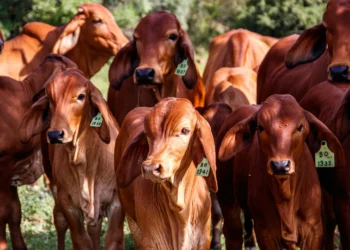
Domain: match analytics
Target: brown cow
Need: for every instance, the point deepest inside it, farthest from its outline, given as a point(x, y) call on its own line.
point(233, 86)
point(89, 40)
point(143, 72)
point(84, 183)
point(330, 104)
point(295, 64)
point(168, 207)
point(236, 48)
point(274, 174)
point(20, 164)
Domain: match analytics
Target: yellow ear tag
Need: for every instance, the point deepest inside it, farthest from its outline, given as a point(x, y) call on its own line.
point(97, 121)
point(324, 158)
point(182, 68)
point(203, 168)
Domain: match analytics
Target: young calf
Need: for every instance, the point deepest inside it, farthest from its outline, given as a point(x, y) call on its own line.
point(82, 134)
point(157, 152)
point(275, 177)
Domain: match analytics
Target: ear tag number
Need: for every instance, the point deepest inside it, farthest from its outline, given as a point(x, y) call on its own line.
point(324, 158)
point(97, 121)
point(203, 168)
point(182, 68)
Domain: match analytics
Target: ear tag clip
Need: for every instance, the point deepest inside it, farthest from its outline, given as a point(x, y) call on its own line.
point(203, 168)
point(182, 68)
point(324, 158)
point(97, 121)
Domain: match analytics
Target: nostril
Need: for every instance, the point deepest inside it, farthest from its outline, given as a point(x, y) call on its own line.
point(280, 167)
point(145, 76)
point(55, 136)
point(339, 73)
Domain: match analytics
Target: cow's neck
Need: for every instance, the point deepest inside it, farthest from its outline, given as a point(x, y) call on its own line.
point(83, 173)
point(180, 200)
point(285, 193)
point(88, 60)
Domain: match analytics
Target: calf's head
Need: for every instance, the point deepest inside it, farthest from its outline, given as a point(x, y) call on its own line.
point(95, 27)
point(159, 44)
point(67, 108)
point(282, 127)
point(332, 32)
point(176, 135)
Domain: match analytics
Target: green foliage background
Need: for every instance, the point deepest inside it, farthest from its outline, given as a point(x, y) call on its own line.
point(203, 19)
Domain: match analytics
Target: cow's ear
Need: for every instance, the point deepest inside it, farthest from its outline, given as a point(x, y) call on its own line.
point(204, 146)
point(310, 45)
point(100, 106)
point(319, 132)
point(238, 138)
point(123, 65)
point(129, 166)
point(70, 34)
point(36, 120)
point(185, 51)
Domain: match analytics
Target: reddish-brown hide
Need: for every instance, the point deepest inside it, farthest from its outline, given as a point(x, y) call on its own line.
point(274, 174)
point(89, 40)
point(20, 163)
point(143, 72)
point(330, 104)
point(156, 156)
point(236, 48)
point(296, 63)
point(83, 177)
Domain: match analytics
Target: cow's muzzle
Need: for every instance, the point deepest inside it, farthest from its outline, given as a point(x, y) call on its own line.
point(280, 167)
point(339, 73)
point(151, 171)
point(144, 76)
point(55, 136)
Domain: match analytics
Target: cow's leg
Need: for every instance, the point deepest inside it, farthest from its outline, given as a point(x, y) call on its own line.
point(217, 221)
point(266, 241)
point(3, 219)
point(15, 221)
point(232, 229)
point(115, 233)
point(249, 239)
point(60, 225)
point(342, 208)
point(95, 234)
point(74, 218)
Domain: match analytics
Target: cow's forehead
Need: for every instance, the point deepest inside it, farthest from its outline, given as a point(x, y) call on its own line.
point(280, 107)
point(169, 114)
point(158, 22)
point(66, 82)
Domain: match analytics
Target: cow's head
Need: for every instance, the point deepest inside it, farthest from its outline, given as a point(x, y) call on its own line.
point(282, 127)
point(66, 110)
point(2, 42)
point(334, 33)
point(158, 47)
point(176, 135)
point(93, 26)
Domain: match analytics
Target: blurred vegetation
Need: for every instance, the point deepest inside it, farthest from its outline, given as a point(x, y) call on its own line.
point(203, 19)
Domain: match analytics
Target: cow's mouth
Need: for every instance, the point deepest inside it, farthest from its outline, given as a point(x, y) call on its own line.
point(156, 87)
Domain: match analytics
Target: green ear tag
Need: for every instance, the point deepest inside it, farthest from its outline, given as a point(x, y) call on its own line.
point(182, 68)
point(324, 158)
point(97, 121)
point(203, 168)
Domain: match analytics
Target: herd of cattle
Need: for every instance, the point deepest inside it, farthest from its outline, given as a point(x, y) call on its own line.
point(190, 153)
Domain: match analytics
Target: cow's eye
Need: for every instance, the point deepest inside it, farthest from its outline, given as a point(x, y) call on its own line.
point(185, 131)
point(300, 128)
point(97, 21)
point(172, 37)
point(81, 97)
point(260, 128)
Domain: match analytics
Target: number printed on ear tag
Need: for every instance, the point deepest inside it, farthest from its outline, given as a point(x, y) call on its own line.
point(203, 168)
point(97, 121)
point(324, 158)
point(182, 68)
